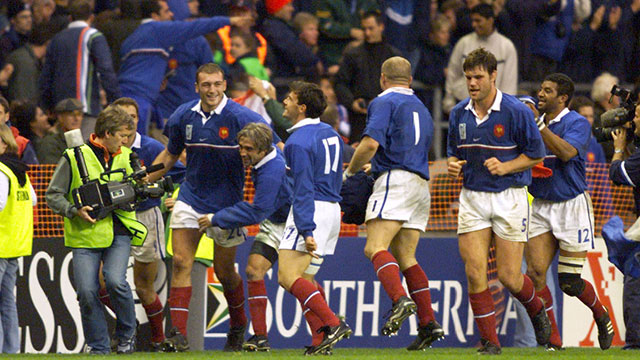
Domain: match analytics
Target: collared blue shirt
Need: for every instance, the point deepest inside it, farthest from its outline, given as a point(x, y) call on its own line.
point(215, 174)
point(508, 130)
point(569, 178)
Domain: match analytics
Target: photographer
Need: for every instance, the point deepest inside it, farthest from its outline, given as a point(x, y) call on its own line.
point(627, 172)
point(108, 239)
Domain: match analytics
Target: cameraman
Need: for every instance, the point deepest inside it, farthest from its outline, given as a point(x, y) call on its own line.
point(627, 172)
point(108, 240)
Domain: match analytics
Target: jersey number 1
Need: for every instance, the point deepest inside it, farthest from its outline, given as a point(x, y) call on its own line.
point(416, 127)
point(328, 164)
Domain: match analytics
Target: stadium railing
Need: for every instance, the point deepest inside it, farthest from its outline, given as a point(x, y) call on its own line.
point(607, 200)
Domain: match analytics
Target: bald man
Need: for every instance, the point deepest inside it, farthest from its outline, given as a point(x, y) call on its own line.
point(399, 124)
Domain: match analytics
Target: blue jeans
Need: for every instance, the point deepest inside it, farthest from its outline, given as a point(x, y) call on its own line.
point(86, 264)
point(9, 334)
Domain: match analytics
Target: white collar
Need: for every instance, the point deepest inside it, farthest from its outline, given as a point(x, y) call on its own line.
point(302, 123)
point(147, 20)
point(270, 156)
point(494, 107)
point(137, 141)
point(78, 24)
point(564, 112)
point(397, 89)
point(218, 110)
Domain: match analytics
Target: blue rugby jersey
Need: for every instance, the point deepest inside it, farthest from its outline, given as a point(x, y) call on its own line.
point(148, 149)
point(215, 174)
point(403, 127)
point(569, 178)
point(509, 130)
point(272, 198)
point(314, 155)
point(145, 53)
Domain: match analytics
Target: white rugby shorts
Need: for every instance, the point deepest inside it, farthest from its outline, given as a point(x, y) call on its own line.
point(153, 247)
point(327, 220)
point(185, 217)
point(270, 233)
point(403, 196)
point(506, 213)
point(570, 221)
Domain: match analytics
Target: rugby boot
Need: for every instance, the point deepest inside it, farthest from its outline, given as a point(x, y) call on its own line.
point(256, 343)
point(489, 348)
point(332, 334)
point(542, 327)
point(402, 309)
point(175, 341)
point(235, 338)
point(426, 336)
point(605, 330)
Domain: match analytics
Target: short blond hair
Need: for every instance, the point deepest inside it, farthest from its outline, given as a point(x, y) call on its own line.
point(259, 134)
point(397, 70)
point(303, 18)
point(7, 137)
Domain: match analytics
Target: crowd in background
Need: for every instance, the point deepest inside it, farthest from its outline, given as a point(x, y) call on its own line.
point(339, 44)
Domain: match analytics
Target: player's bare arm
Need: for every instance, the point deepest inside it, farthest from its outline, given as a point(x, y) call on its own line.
point(168, 160)
point(363, 154)
point(521, 163)
point(558, 146)
point(454, 166)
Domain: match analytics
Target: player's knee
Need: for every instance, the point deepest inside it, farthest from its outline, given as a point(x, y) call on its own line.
point(536, 275)
point(569, 270)
point(370, 250)
point(571, 284)
point(509, 277)
point(181, 263)
point(254, 273)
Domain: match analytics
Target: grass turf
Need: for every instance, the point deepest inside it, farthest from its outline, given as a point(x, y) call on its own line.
point(348, 353)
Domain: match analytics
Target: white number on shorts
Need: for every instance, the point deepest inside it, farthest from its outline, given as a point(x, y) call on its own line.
point(416, 126)
point(328, 165)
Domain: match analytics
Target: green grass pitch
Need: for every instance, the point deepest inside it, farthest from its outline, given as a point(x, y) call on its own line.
point(347, 353)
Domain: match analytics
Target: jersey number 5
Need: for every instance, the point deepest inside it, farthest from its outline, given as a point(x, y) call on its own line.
point(328, 164)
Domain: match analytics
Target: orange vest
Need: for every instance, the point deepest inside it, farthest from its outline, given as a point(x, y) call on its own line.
point(224, 32)
point(20, 140)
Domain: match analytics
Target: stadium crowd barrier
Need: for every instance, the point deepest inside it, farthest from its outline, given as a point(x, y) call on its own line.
point(607, 199)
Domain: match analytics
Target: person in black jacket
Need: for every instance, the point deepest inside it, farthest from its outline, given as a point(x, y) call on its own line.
point(358, 80)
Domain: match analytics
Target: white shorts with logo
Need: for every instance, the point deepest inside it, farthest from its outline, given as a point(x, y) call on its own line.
point(506, 213)
point(153, 247)
point(327, 220)
point(270, 233)
point(570, 221)
point(400, 195)
point(185, 217)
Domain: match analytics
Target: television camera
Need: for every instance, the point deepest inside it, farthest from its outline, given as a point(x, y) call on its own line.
point(109, 195)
